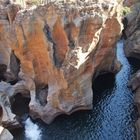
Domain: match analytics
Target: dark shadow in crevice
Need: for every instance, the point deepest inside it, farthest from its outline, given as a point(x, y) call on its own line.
point(125, 25)
point(135, 63)
point(15, 68)
point(101, 84)
point(41, 94)
point(48, 35)
point(12, 75)
point(20, 105)
point(1, 113)
point(3, 69)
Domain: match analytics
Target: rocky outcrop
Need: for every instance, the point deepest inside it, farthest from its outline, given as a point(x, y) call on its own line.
point(5, 134)
point(132, 49)
point(7, 118)
point(129, 3)
point(57, 49)
point(132, 44)
point(135, 86)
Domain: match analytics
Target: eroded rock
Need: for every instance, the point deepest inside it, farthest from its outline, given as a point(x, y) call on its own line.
point(132, 50)
point(132, 44)
point(5, 134)
point(8, 119)
point(135, 85)
point(60, 48)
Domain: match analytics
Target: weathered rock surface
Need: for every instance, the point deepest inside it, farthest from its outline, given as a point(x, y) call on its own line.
point(129, 3)
point(132, 49)
point(7, 118)
point(135, 85)
point(57, 49)
point(5, 134)
point(132, 45)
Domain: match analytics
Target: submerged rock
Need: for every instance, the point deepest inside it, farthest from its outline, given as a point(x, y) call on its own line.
point(59, 49)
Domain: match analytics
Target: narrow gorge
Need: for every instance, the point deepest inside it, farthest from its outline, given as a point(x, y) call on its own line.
point(63, 71)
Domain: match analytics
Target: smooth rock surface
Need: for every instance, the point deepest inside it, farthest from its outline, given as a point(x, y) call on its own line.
point(5, 134)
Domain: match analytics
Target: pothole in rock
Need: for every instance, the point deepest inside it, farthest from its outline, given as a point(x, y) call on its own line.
point(20, 104)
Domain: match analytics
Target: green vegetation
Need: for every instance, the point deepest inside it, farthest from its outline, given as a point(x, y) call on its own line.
point(35, 2)
point(125, 10)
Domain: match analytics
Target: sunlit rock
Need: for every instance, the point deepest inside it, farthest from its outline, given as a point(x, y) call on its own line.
point(5, 134)
point(59, 48)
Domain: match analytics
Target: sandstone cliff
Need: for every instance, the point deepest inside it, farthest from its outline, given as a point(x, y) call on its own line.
point(52, 52)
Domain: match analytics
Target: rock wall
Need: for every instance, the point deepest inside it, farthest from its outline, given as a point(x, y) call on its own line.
point(135, 86)
point(132, 49)
point(53, 52)
point(132, 44)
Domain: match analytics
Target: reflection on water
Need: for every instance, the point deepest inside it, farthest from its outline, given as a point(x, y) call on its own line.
point(112, 117)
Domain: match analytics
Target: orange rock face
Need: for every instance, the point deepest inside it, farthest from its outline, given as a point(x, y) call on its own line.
point(59, 50)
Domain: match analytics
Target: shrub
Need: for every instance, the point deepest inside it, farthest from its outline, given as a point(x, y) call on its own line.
point(125, 10)
point(34, 2)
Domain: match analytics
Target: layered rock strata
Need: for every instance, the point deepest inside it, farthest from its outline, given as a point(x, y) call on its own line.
point(52, 52)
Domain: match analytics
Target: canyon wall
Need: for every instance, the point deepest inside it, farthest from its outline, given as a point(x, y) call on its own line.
point(51, 53)
point(132, 43)
point(132, 50)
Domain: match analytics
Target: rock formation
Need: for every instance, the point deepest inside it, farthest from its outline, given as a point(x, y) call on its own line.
point(132, 44)
point(5, 134)
point(129, 3)
point(132, 49)
point(52, 52)
point(135, 86)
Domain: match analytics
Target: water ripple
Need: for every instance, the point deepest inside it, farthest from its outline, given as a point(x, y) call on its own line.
point(112, 117)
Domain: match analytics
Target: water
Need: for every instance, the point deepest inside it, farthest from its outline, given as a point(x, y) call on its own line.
point(32, 131)
point(112, 117)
